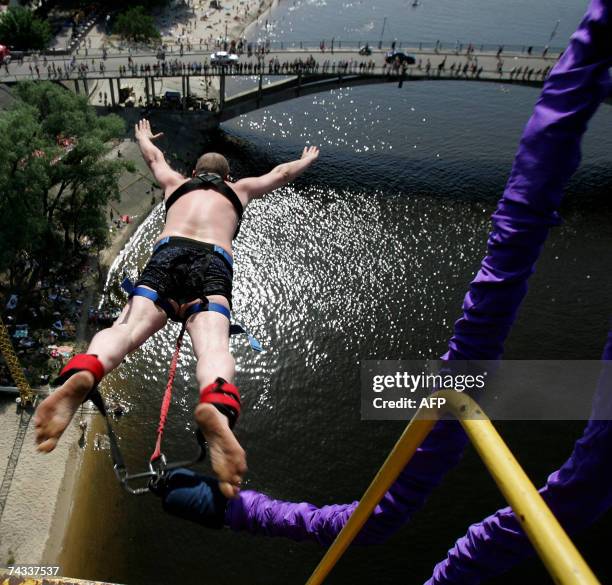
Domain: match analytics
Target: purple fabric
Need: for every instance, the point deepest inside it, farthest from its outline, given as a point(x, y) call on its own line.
point(577, 494)
point(548, 154)
point(258, 514)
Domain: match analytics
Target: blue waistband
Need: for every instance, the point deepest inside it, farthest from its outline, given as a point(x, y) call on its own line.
point(197, 244)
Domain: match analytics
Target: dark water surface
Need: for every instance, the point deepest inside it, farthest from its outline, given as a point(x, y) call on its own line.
point(367, 256)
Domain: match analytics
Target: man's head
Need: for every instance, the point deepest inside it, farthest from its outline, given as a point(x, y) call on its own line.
point(212, 162)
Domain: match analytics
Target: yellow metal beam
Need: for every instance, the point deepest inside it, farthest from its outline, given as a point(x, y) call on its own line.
point(12, 361)
point(558, 553)
point(413, 435)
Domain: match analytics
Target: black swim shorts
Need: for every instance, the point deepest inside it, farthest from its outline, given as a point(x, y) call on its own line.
point(184, 270)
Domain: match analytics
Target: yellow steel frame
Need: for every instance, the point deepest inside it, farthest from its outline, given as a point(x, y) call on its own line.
point(561, 558)
point(12, 361)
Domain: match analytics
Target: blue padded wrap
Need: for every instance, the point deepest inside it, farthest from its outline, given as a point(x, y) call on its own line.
point(195, 308)
point(235, 329)
point(141, 291)
point(218, 308)
point(192, 497)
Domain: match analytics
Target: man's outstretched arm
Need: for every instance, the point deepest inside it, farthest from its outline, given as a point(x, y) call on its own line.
point(280, 175)
point(153, 156)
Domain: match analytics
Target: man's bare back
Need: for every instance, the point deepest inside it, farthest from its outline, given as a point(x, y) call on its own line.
point(203, 215)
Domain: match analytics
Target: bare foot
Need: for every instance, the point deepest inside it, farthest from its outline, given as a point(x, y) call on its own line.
point(226, 455)
point(56, 411)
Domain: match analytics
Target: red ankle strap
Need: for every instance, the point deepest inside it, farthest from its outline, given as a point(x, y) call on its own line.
point(80, 362)
point(224, 397)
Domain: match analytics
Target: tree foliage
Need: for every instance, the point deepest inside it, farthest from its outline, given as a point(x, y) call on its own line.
point(21, 30)
point(56, 179)
point(136, 25)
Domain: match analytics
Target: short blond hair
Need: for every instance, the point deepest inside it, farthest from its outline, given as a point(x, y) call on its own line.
point(213, 162)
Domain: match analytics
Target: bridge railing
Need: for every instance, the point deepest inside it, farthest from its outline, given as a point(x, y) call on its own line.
point(386, 45)
point(336, 44)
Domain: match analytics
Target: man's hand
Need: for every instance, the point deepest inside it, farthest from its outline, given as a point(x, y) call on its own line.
point(142, 130)
point(154, 157)
point(311, 153)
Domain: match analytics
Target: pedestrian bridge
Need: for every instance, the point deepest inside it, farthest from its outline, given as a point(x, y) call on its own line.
point(278, 75)
point(281, 76)
point(288, 88)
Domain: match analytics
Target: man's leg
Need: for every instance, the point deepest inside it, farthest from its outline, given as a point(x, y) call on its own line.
point(209, 332)
point(139, 319)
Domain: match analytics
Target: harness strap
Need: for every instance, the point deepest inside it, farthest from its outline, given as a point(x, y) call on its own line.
point(224, 397)
point(214, 307)
point(235, 329)
point(140, 291)
point(116, 455)
point(208, 181)
point(82, 361)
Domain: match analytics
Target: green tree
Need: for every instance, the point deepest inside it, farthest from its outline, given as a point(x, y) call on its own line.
point(56, 180)
point(20, 29)
point(136, 25)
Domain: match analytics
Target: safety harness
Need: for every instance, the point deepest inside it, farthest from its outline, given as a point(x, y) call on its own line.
point(140, 291)
point(207, 180)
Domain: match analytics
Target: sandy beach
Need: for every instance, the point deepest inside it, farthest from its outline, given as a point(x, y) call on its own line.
point(45, 512)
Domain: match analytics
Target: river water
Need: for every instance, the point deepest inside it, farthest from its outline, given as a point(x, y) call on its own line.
point(368, 255)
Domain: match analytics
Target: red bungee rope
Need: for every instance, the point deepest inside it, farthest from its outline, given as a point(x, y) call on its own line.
point(165, 407)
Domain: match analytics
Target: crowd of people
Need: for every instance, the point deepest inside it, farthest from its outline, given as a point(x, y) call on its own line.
point(470, 68)
point(43, 327)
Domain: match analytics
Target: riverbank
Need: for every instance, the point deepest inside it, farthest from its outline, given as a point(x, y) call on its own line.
point(42, 491)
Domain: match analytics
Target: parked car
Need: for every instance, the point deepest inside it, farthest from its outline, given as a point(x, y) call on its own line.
point(223, 58)
point(393, 56)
